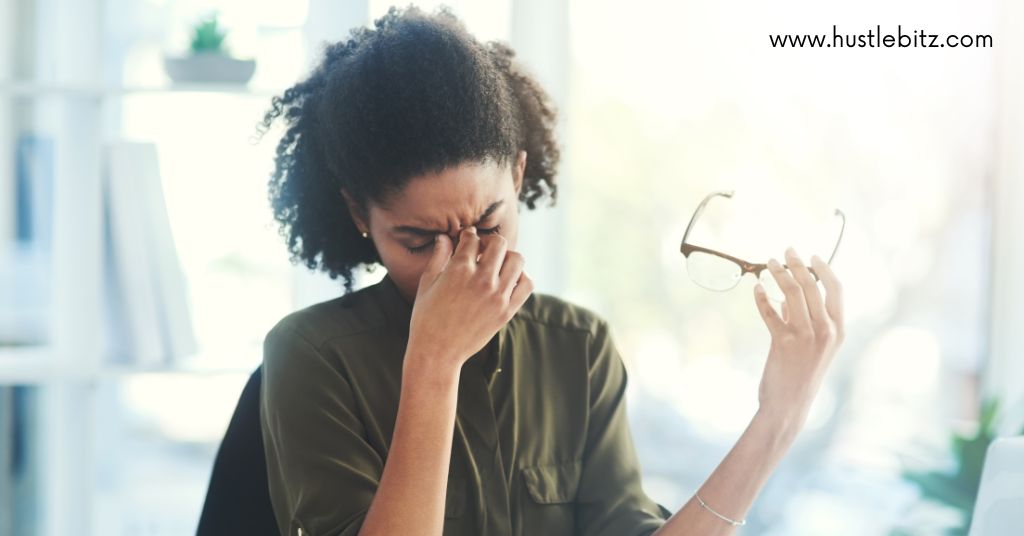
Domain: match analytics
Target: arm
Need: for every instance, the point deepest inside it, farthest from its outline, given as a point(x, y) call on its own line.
point(323, 475)
point(411, 495)
point(611, 501)
point(736, 482)
point(460, 304)
point(805, 339)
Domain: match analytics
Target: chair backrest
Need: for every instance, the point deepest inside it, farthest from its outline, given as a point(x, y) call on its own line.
point(238, 500)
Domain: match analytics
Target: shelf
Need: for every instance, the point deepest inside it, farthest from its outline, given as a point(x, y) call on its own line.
point(35, 365)
point(23, 364)
point(31, 89)
point(17, 354)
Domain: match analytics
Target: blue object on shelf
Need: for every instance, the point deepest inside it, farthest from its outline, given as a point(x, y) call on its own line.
point(25, 265)
point(34, 176)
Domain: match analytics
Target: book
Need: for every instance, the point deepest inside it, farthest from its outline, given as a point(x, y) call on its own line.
point(151, 323)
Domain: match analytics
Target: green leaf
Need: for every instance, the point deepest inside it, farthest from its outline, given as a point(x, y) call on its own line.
point(988, 413)
point(960, 489)
point(207, 36)
point(941, 488)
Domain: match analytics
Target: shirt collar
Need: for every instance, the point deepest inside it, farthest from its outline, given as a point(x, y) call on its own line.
point(399, 314)
point(397, 309)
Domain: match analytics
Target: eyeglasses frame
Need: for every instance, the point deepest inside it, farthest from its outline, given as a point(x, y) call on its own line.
point(746, 266)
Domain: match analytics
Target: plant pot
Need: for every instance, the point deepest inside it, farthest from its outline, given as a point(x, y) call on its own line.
point(209, 67)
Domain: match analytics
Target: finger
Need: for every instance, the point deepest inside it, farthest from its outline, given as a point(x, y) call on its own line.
point(511, 271)
point(798, 315)
point(812, 295)
point(785, 312)
point(768, 314)
point(442, 252)
point(469, 246)
point(833, 290)
point(493, 256)
point(521, 292)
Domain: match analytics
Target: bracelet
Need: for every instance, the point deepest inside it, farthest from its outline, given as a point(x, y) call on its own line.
point(723, 518)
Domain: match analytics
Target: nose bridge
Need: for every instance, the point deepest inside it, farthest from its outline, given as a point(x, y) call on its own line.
point(456, 230)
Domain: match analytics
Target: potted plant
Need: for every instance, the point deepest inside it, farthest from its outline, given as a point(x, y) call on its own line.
point(209, 59)
point(958, 488)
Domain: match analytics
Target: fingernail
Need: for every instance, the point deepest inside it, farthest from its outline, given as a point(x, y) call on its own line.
point(773, 263)
point(791, 251)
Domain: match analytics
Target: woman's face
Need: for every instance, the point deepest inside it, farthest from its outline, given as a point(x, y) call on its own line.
point(483, 195)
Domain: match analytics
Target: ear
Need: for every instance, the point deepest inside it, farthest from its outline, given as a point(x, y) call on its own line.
point(520, 169)
point(357, 214)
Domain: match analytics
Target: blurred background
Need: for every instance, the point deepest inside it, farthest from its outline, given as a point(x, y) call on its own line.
point(140, 267)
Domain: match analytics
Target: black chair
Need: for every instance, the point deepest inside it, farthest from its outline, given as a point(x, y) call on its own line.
point(238, 500)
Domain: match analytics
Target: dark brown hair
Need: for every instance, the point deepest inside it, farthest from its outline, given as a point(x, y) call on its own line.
point(415, 93)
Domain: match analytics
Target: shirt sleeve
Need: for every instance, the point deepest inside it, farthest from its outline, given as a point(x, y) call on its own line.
point(610, 500)
point(322, 473)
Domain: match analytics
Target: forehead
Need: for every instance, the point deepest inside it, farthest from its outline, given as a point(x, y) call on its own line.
point(458, 194)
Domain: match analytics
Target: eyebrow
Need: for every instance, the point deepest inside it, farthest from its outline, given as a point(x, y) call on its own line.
point(408, 229)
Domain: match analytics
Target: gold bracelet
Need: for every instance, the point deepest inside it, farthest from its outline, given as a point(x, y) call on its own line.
point(723, 518)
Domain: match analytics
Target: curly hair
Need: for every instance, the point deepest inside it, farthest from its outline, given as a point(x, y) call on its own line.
point(416, 93)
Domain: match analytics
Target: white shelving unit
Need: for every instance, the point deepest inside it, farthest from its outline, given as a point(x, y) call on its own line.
point(44, 364)
point(77, 230)
point(30, 89)
point(74, 102)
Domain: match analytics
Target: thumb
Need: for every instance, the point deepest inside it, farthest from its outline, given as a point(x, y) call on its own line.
point(771, 318)
point(438, 258)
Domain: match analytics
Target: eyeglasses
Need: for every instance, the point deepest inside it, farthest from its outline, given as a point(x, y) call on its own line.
point(717, 271)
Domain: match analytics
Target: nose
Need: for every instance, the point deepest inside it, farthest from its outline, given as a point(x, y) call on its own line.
point(455, 236)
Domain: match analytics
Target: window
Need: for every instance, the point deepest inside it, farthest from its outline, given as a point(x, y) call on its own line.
point(671, 101)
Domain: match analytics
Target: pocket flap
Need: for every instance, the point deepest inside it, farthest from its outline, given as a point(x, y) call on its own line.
point(554, 483)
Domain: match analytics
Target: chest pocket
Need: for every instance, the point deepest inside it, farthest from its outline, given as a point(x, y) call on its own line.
point(550, 505)
point(553, 484)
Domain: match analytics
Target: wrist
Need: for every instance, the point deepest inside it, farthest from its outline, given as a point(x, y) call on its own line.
point(431, 369)
point(781, 424)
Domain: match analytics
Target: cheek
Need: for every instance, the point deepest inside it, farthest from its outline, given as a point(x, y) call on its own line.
point(510, 230)
point(403, 266)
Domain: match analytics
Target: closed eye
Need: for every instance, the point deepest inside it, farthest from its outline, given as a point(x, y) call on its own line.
point(429, 245)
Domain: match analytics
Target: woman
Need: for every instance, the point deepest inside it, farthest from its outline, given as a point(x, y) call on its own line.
point(449, 397)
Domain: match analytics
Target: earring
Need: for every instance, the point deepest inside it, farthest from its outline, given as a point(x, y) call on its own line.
point(365, 234)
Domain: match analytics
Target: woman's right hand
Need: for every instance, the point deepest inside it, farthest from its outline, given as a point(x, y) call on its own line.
point(460, 303)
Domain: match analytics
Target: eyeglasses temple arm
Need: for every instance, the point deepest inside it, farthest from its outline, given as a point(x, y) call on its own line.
point(840, 239)
point(700, 209)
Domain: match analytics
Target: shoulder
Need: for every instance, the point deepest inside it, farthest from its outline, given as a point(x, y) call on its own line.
point(296, 353)
point(577, 333)
point(552, 312)
point(353, 313)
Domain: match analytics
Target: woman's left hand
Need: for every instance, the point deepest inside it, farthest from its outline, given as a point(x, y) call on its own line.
point(804, 339)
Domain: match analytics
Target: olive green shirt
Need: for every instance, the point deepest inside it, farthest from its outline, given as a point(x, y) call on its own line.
point(541, 441)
